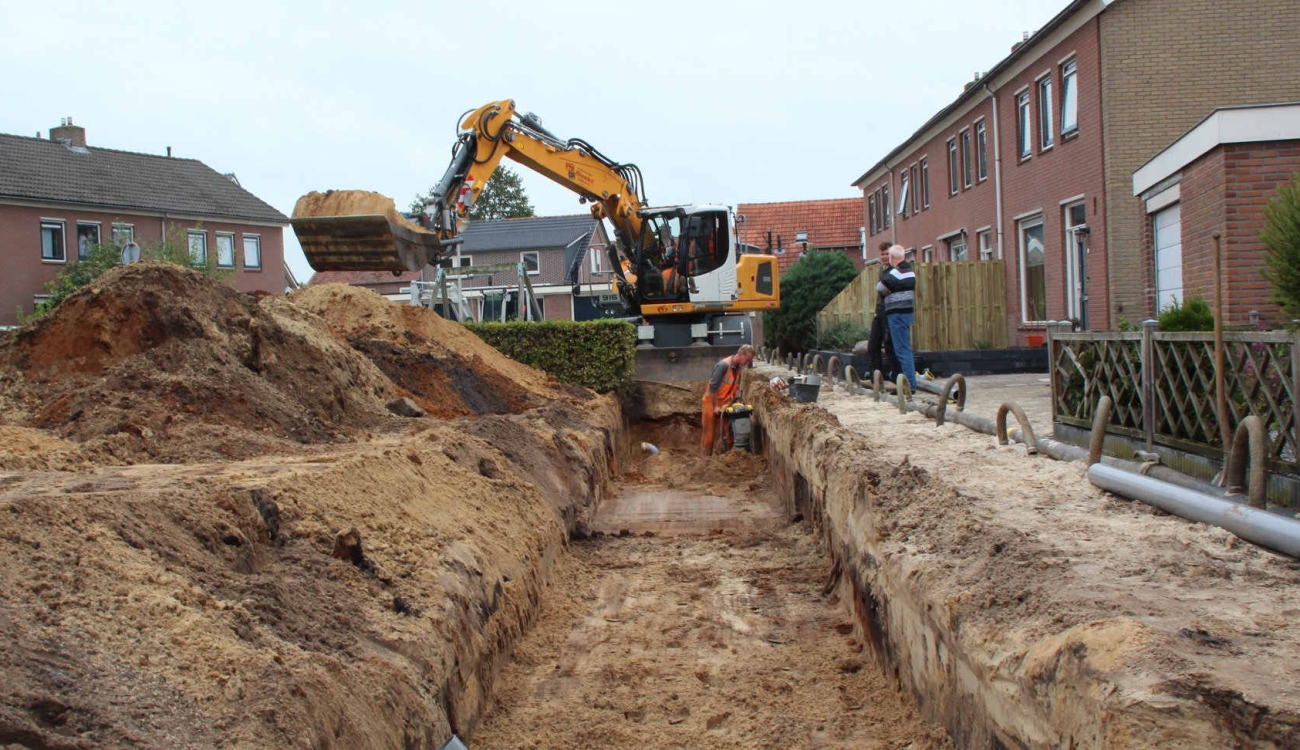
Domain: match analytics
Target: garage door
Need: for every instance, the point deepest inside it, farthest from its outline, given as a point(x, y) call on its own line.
point(1167, 225)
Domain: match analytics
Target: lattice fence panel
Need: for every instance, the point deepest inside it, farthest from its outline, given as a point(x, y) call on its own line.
point(1086, 367)
point(1258, 379)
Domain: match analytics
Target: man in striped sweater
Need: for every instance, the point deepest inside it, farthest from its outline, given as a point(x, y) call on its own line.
point(898, 286)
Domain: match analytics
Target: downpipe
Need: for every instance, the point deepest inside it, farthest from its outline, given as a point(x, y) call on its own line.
point(1251, 524)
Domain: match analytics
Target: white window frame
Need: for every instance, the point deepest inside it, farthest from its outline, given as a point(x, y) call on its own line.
point(904, 189)
point(916, 190)
point(1046, 131)
point(927, 254)
point(1070, 256)
point(1023, 224)
point(597, 253)
point(925, 182)
point(981, 151)
point(197, 234)
point(62, 226)
point(871, 213)
point(99, 235)
point(257, 243)
point(957, 240)
point(536, 254)
point(1024, 125)
point(230, 236)
point(984, 243)
point(462, 261)
point(886, 210)
point(122, 231)
point(1069, 90)
point(967, 159)
point(954, 180)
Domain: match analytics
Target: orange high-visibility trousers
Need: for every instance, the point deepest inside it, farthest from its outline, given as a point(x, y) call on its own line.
point(709, 423)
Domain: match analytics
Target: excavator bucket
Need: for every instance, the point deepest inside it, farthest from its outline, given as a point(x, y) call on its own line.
point(356, 230)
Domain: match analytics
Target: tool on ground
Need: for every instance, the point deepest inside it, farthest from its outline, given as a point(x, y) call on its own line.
point(737, 426)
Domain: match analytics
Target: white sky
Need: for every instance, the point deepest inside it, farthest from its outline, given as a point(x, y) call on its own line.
point(716, 102)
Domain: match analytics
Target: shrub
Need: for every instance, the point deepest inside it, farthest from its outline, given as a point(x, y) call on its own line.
point(1281, 236)
point(806, 288)
point(842, 335)
point(1193, 315)
point(596, 354)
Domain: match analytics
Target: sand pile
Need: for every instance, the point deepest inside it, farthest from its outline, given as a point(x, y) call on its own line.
point(443, 367)
point(352, 203)
point(158, 363)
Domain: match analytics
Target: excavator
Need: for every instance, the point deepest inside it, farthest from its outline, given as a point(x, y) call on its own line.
point(678, 270)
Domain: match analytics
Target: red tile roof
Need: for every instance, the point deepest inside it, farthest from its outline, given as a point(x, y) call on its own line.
point(835, 223)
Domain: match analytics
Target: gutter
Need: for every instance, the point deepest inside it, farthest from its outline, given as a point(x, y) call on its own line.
point(997, 168)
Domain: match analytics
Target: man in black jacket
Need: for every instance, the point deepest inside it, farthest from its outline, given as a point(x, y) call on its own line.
point(899, 288)
point(878, 344)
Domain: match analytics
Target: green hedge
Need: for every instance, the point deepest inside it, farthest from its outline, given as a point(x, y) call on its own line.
point(597, 354)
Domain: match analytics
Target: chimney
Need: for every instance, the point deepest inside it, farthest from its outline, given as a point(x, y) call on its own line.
point(66, 131)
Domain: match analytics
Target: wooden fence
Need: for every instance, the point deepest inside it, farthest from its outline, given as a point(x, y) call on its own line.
point(958, 305)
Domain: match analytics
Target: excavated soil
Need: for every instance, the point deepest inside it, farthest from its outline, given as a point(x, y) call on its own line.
point(1011, 592)
point(352, 203)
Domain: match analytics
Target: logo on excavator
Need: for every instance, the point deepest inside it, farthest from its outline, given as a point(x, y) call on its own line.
point(577, 174)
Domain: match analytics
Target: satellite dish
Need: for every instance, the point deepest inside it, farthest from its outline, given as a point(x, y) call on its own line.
point(130, 252)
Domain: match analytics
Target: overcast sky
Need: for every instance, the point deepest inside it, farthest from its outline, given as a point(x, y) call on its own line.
point(716, 102)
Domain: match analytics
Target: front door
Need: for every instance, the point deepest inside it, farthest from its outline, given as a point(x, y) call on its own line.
point(1076, 264)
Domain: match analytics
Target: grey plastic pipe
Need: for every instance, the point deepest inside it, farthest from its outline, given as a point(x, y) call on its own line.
point(1252, 524)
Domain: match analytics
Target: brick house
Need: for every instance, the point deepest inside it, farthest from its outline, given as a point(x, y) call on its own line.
point(565, 257)
point(59, 195)
point(787, 229)
point(1027, 165)
point(1218, 177)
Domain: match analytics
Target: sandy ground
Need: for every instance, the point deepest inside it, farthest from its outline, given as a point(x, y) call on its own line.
point(717, 640)
point(1203, 606)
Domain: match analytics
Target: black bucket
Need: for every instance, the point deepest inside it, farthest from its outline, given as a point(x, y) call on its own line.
point(805, 393)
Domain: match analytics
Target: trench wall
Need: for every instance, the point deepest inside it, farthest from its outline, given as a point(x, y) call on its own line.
point(1053, 694)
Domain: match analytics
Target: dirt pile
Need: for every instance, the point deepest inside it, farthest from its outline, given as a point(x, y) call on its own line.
point(155, 362)
point(352, 203)
point(443, 367)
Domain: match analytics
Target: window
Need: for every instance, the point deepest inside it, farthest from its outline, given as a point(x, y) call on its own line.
point(252, 251)
point(1075, 223)
point(1166, 230)
point(904, 192)
point(1033, 271)
point(925, 183)
point(52, 241)
point(916, 191)
point(927, 254)
point(1069, 98)
point(871, 212)
point(462, 261)
point(957, 248)
point(225, 250)
point(532, 261)
point(885, 211)
point(984, 238)
point(87, 237)
point(597, 253)
point(123, 233)
point(198, 247)
point(965, 158)
point(1023, 135)
point(952, 166)
point(1045, 132)
point(981, 151)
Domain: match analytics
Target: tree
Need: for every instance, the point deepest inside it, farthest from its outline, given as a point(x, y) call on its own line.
point(503, 197)
point(806, 288)
point(1281, 236)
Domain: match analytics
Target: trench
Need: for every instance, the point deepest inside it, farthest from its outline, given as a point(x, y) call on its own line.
point(698, 607)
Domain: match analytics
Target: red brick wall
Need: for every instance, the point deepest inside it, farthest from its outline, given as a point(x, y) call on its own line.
point(557, 306)
point(1226, 191)
point(25, 273)
point(1070, 168)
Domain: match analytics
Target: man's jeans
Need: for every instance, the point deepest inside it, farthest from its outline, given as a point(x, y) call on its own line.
point(900, 330)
